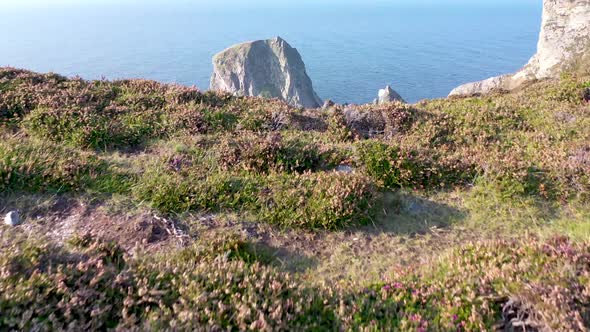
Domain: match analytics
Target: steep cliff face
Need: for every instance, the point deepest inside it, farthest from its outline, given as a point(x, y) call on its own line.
point(269, 68)
point(564, 37)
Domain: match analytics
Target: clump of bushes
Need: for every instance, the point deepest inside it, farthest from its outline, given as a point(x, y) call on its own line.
point(437, 143)
point(214, 192)
point(395, 167)
point(469, 288)
point(94, 289)
point(337, 127)
point(570, 90)
point(276, 152)
point(194, 119)
point(110, 127)
point(318, 201)
point(308, 200)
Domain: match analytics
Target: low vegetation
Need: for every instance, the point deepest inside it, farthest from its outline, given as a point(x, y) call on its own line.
point(451, 214)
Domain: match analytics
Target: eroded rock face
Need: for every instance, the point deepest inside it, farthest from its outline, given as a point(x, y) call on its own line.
point(565, 36)
point(268, 68)
point(388, 95)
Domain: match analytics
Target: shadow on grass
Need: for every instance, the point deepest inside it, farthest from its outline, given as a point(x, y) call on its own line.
point(283, 258)
point(402, 213)
point(32, 205)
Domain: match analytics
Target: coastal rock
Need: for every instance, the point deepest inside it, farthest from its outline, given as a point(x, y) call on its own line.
point(388, 95)
point(12, 218)
point(328, 103)
point(564, 37)
point(363, 122)
point(268, 68)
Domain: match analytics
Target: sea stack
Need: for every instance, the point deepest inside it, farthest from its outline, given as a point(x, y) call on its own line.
point(565, 37)
point(268, 68)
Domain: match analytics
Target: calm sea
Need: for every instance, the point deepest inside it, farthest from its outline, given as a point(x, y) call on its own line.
point(350, 51)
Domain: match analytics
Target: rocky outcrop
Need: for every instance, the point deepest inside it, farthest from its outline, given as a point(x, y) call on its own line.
point(565, 36)
point(388, 95)
point(268, 68)
point(328, 103)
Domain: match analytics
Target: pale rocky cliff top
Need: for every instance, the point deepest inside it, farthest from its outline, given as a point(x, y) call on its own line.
point(564, 37)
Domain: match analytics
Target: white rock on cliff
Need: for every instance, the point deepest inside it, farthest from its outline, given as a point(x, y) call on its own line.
point(268, 68)
point(388, 95)
point(565, 36)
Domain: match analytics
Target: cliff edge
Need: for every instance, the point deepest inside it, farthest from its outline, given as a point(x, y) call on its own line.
point(564, 37)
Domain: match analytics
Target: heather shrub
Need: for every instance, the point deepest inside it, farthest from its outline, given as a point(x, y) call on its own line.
point(472, 287)
point(223, 244)
point(468, 288)
point(309, 200)
point(338, 130)
point(259, 114)
point(570, 90)
point(399, 118)
point(111, 127)
point(479, 120)
point(187, 118)
point(220, 119)
point(394, 167)
point(12, 107)
point(59, 292)
point(231, 295)
point(98, 287)
point(275, 152)
point(214, 192)
point(318, 200)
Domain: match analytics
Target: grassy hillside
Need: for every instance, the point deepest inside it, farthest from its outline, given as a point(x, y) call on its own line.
point(152, 206)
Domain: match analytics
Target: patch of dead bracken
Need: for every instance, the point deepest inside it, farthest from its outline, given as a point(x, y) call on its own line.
point(518, 316)
point(62, 218)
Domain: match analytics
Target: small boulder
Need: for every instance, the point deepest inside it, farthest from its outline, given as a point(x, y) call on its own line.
point(12, 218)
point(388, 95)
point(346, 169)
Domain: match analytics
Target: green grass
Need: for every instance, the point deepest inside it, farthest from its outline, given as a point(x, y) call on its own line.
point(449, 208)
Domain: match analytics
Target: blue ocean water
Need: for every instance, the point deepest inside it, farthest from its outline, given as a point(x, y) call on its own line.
point(422, 51)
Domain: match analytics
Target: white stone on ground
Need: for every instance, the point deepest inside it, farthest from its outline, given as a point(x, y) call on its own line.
point(12, 218)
